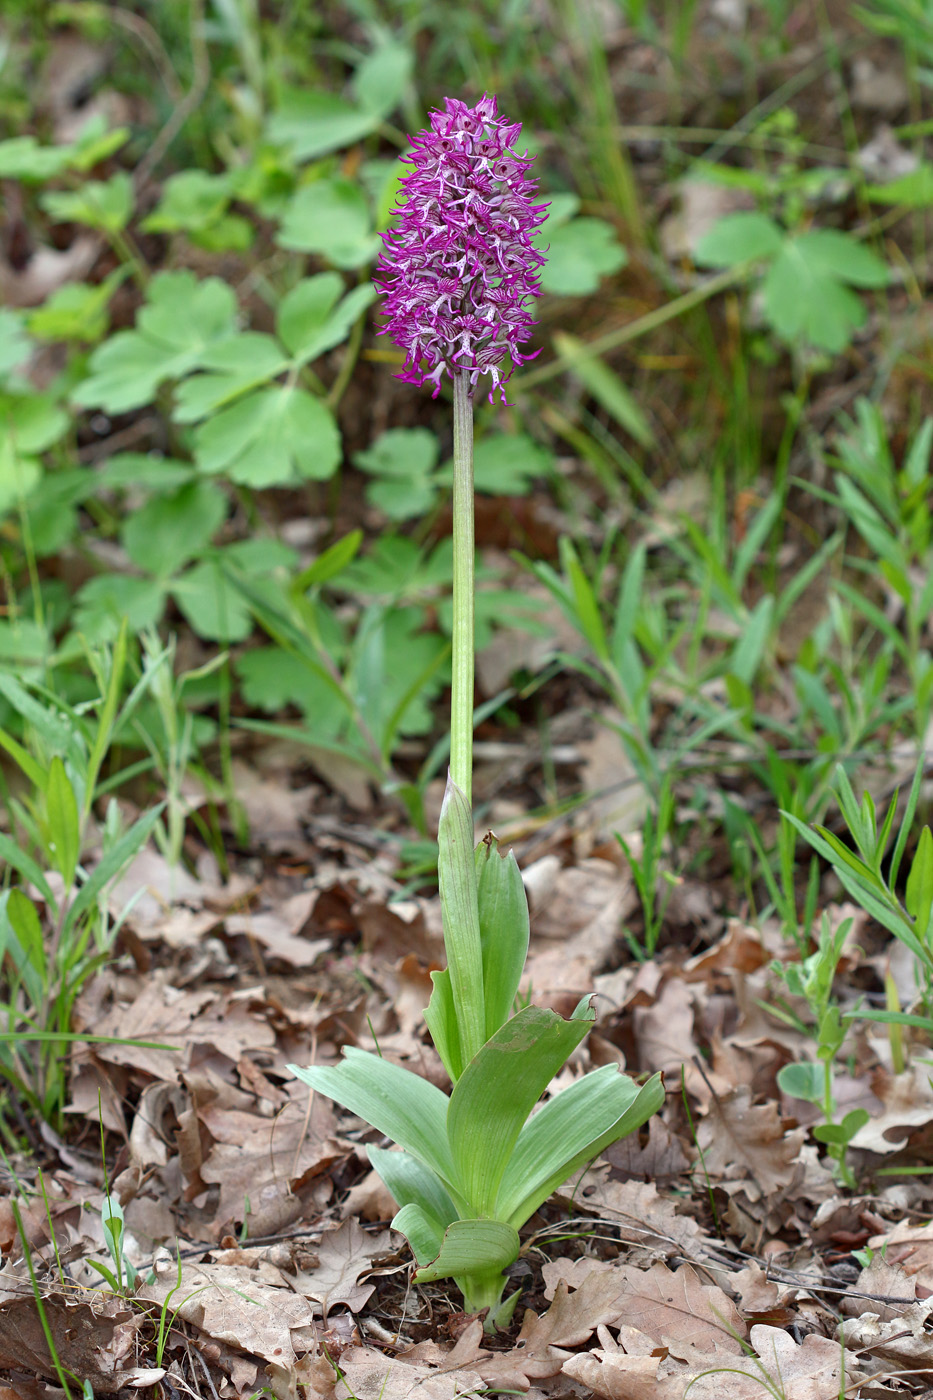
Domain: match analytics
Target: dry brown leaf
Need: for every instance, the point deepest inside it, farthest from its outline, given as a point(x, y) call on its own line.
point(343, 1255)
point(907, 1102)
point(747, 1147)
point(680, 1311)
point(233, 1305)
point(811, 1370)
point(641, 1215)
point(94, 1334)
point(265, 1159)
point(664, 1156)
point(664, 1035)
point(367, 1374)
point(904, 1341)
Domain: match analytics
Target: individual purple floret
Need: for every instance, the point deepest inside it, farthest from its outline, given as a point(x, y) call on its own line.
point(459, 268)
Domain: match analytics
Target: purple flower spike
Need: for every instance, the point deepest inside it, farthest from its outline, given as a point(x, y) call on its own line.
point(459, 269)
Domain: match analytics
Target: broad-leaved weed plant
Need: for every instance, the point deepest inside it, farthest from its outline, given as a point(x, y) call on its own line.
point(458, 272)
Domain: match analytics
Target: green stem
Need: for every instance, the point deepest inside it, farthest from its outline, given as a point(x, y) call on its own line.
point(461, 697)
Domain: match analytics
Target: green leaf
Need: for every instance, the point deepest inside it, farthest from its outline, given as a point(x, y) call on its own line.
point(17, 859)
point(64, 831)
point(382, 78)
point(504, 931)
point(32, 422)
point(101, 204)
point(213, 606)
point(312, 123)
point(738, 238)
point(473, 1247)
point(169, 530)
point(804, 1080)
point(233, 368)
point(918, 895)
point(112, 864)
point(104, 602)
point(330, 217)
point(456, 872)
point(310, 319)
point(181, 319)
point(579, 255)
point(422, 1229)
point(402, 1105)
point(441, 1020)
point(404, 459)
point(411, 1182)
point(605, 386)
point(506, 464)
point(22, 937)
point(76, 311)
point(914, 191)
point(569, 1131)
point(805, 295)
point(498, 1089)
point(277, 436)
point(191, 201)
point(15, 346)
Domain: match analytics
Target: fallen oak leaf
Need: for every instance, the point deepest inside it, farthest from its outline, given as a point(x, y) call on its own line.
point(343, 1256)
point(748, 1146)
point(93, 1334)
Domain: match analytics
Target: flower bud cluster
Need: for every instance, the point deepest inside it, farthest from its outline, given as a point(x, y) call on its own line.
point(459, 268)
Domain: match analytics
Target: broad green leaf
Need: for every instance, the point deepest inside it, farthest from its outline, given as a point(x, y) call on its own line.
point(738, 238)
point(422, 1229)
point(23, 158)
point(64, 833)
point(403, 461)
point(441, 1020)
point(32, 422)
point(191, 201)
point(805, 292)
point(169, 530)
point(330, 217)
point(579, 255)
point(382, 78)
point(506, 464)
point(311, 123)
point(104, 602)
point(569, 1131)
point(233, 368)
point(101, 204)
point(498, 1089)
point(605, 386)
point(213, 606)
point(277, 436)
point(15, 346)
point(504, 931)
point(311, 320)
point(396, 1102)
point(473, 1247)
point(456, 873)
point(410, 1181)
point(182, 318)
point(804, 1080)
point(76, 311)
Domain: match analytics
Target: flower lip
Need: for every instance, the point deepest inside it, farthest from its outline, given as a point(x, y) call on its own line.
point(459, 268)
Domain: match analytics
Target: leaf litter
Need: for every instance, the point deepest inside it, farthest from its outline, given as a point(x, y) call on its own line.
point(679, 1259)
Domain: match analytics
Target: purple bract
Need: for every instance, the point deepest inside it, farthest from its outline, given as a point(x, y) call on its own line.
point(459, 269)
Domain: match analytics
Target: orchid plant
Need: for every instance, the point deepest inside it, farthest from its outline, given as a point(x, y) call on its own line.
point(458, 272)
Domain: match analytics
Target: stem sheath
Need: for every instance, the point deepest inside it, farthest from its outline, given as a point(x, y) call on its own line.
point(461, 699)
